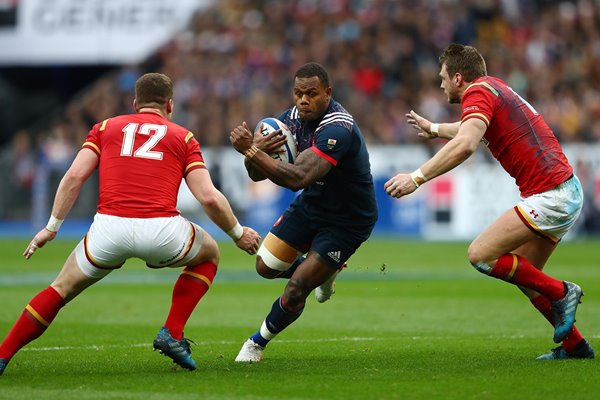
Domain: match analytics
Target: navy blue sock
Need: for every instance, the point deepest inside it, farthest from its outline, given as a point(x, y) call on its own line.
point(290, 271)
point(278, 319)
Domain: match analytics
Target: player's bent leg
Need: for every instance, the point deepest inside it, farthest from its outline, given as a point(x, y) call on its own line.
point(190, 288)
point(275, 258)
point(565, 310)
point(311, 273)
point(75, 277)
point(279, 318)
point(43, 308)
point(33, 322)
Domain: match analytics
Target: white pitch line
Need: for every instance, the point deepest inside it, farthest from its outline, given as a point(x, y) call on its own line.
point(205, 343)
point(218, 342)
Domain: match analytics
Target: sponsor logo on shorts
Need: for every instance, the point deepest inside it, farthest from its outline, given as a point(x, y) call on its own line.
point(179, 251)
point(534, 214)
point(335, 255)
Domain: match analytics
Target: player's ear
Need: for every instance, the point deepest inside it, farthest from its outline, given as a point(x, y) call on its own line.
point(458, 79)
point(135, 107)
point(170, 106)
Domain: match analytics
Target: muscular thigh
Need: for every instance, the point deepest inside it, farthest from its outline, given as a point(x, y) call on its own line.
point(504, 235)
point(533, 227)
point(290, 236)
point(296, 230)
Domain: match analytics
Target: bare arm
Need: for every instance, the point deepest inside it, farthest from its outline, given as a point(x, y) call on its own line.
point(218, 209)
point(424, 126)
point(454, 153)
point(308, 167)
point(269, 144)
point(68, 190)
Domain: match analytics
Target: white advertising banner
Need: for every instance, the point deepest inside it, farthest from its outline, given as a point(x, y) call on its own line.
point(88, 31)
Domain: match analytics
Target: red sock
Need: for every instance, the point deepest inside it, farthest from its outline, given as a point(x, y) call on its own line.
point(519, 271)
point(34, 320)
point(542, 304)
point(191, 286)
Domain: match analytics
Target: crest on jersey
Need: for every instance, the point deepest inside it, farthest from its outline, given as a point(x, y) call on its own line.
point(331, 143)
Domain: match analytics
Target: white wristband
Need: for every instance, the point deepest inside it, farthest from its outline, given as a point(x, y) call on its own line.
point(417, 177)
point(236, 232)
point(435, 129)
point(54, 224)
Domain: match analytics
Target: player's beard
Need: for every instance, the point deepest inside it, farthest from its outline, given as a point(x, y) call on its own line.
point(453, 98)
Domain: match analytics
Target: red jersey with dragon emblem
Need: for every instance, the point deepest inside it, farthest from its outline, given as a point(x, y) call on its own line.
point(517, 136)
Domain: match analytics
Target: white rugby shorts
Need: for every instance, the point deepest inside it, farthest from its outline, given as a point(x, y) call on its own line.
point(160, 242)
point(551, 214)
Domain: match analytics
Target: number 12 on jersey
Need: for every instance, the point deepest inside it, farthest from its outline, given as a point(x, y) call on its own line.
point(155, 133)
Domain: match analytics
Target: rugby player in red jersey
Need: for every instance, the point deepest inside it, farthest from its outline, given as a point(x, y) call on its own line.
point(516, 247)
point(142, 159)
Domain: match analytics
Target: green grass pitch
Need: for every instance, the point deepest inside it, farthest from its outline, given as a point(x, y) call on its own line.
point(410, 320)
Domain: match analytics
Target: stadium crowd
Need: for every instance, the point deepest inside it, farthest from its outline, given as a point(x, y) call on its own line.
point(235, 58)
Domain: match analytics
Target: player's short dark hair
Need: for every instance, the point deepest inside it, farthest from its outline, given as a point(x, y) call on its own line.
point(153, 90)
point(465, 60)
point(311, 69)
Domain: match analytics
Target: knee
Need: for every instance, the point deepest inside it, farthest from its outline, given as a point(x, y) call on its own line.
point(263, 270)
point(210, 250)
point(478, 260)
point(295, 293)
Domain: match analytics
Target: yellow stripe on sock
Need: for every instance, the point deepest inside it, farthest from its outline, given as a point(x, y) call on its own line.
point(514, 267)
point(198, 276)
point(37, 316)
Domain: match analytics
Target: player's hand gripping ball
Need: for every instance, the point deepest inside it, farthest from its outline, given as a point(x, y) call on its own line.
point(289, 150)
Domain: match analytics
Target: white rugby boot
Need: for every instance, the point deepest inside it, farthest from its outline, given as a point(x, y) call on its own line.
point(250, 352)
point(327, 288)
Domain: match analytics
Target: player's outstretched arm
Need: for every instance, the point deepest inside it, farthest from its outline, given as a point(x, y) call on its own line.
point(430, 130)
point(68, 190)
point(219, 210)
point(454, 153)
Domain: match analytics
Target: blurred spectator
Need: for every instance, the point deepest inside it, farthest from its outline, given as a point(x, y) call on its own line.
point(235, 58)
point(18, 166)
point(239, 53)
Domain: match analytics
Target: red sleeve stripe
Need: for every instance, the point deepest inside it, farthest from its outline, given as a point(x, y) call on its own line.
point(194, 165)
point(92, 147)
point(533, 227)
point(324, 155)
point(477, 115)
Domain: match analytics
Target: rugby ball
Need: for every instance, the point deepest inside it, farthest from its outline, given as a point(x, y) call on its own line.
point(289, 150)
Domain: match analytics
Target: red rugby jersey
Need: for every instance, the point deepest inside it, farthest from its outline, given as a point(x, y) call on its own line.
point(143, 158)
point(517, 136)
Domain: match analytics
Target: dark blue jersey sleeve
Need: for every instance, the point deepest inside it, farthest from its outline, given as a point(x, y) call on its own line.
point(332, 143)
